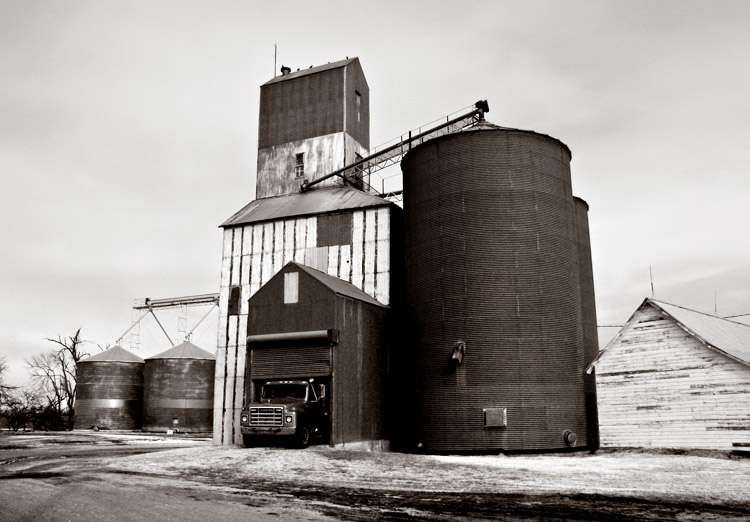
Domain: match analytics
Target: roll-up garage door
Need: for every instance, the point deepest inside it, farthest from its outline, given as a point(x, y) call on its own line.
point(280, 362)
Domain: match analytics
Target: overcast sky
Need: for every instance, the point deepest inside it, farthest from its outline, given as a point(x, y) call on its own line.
point(128, 134)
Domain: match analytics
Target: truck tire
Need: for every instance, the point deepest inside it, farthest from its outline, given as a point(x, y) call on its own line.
point(248, 441)
point(303, 437)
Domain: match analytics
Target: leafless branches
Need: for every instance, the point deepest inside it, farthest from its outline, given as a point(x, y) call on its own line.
point(54, 373)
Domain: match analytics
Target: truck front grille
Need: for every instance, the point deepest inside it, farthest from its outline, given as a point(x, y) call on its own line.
point(266, 416)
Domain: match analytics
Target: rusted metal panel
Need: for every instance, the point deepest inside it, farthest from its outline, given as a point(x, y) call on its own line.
point(333, 87)
point(109, 393)
point(313, 202)
point(178, 393)
point(588, 316)
point(256, 267)
point(355, 365)
point(659, 386)
point(334, 229)
point(282, 103)
point(491, 263)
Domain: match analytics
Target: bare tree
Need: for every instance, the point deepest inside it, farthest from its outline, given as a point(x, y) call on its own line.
point(20, 407)
point(4, 389)
point(55, 374)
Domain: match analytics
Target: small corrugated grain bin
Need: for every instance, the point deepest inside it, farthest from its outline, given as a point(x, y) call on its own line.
point(179, 390)
point(109, 392)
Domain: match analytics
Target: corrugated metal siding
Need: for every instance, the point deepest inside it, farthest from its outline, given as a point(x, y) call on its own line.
point(301, 108)
point(253, 254)
point(658, 386)
point(491, 260)
point(290, 362)
point(109, 394)
point(181, 389)
point(588, 316)
point(359, 376)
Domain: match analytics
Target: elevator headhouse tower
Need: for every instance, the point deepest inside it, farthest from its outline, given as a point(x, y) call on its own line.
point(311, 126)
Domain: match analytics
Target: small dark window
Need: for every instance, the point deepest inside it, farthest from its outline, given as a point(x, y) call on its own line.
point(234, 300)
point(334, 229)
point(299, 166)
point(359, 104)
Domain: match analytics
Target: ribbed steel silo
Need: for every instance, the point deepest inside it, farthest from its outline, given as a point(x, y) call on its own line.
point(588, 317)
point(179, 390)
point(109, 390)
point(494, 305)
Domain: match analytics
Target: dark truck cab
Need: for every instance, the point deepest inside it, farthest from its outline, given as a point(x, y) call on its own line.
point(292, 410)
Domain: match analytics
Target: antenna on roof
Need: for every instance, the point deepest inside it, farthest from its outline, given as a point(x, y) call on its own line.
point(651, 276)
point(275, 48)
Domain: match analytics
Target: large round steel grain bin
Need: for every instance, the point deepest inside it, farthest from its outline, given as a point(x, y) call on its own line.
point(179, 390)
point(109, 390)
point(588, 317)
point(492, 290)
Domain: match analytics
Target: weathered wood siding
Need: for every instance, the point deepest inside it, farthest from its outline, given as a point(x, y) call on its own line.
point(659, 386)
point(253, 254)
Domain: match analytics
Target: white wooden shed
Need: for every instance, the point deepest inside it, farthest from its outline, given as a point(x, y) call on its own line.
point(675, 378)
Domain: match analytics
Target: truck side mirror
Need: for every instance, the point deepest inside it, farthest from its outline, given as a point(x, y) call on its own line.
point(322, 393)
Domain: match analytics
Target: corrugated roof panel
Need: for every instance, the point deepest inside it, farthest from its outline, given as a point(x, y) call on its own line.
point(309, 203)
point(339, 286)
point(724, 335)
point(114, 354)
point(310, 70)
point(186, 350)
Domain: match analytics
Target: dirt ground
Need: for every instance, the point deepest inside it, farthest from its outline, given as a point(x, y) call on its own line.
point(352, 485)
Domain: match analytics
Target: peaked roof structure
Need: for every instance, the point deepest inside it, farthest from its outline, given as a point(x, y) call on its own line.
point(114, 354)
point(186, 350)
point(339, 286)
point(729, 338)
point(309, 203)
point(311, 70)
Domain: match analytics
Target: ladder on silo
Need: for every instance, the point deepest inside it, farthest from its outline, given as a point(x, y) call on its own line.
point(356, 172)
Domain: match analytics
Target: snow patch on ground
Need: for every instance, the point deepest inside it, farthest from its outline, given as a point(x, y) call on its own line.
point(675, 477)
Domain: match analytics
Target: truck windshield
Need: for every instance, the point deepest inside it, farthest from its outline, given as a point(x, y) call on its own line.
point(281, 391)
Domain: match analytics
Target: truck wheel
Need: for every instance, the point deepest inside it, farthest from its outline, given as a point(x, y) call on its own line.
point(303, 437)
point(248, 441)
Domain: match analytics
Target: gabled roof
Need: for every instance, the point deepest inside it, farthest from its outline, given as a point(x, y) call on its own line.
point(316, 201)
point(186, 350)
point(729, 338)
point(114, 354)
point(311, 70)
point(338, 286)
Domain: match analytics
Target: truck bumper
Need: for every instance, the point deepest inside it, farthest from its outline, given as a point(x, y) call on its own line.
point(266, 431)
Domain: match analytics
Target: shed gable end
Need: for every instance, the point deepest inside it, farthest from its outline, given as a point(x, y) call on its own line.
point(659, 386)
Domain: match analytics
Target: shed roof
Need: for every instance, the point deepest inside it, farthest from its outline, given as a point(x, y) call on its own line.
point(186, 350)
point(729, 338)
point(114, 354)
point(316, 201)
point(339, 286)
point(311, 70)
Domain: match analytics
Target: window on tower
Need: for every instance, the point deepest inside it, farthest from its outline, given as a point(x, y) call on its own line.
point(299, 166)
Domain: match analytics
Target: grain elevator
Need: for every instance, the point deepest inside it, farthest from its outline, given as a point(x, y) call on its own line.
point(482, 284)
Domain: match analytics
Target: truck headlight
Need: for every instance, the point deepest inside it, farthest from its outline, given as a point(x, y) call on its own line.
point(243, 418)
point(289, 419)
